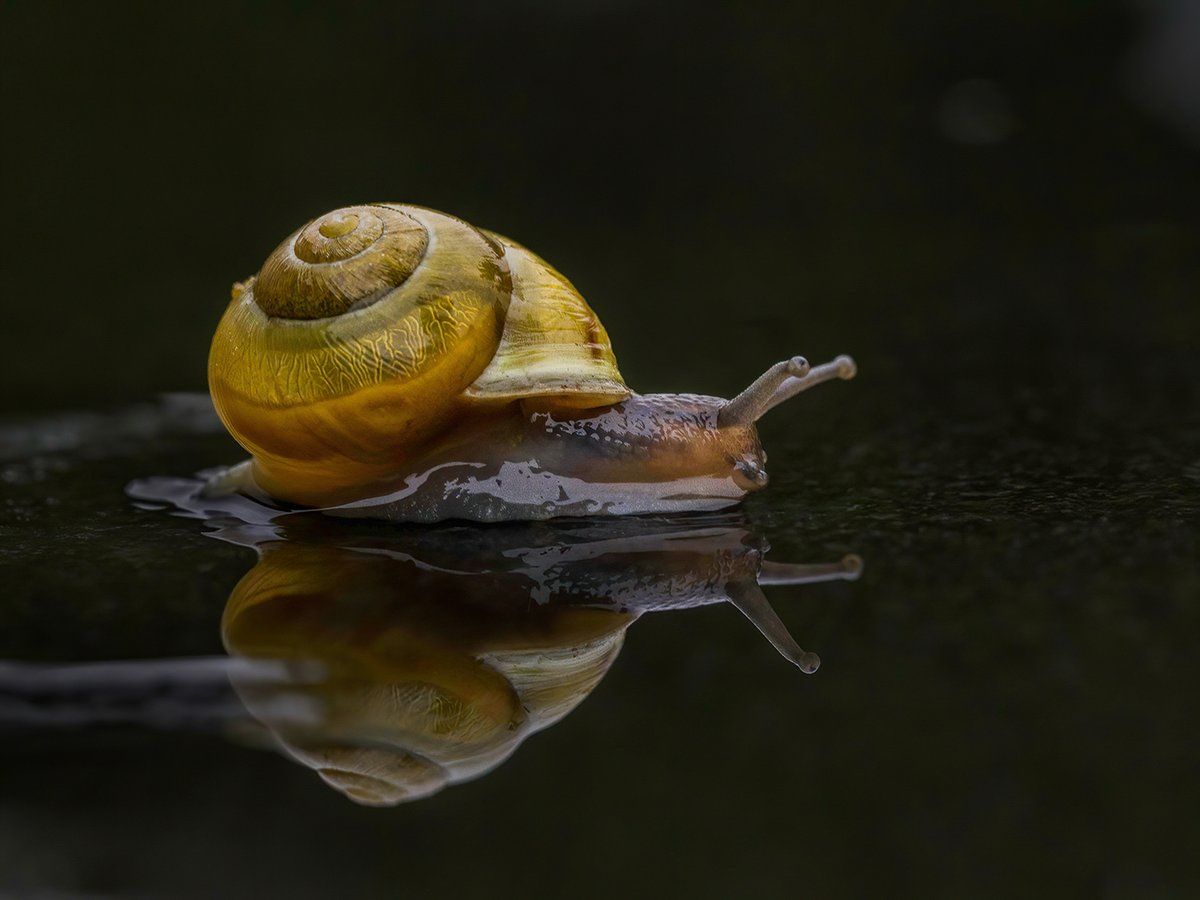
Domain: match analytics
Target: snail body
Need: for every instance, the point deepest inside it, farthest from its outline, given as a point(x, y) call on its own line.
point(392, 361)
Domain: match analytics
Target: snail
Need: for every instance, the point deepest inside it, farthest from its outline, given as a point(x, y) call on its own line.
point(439, 653)
point(392, 361)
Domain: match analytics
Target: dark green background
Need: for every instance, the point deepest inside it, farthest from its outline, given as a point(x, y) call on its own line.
point(1007, 699)
point(727, 184)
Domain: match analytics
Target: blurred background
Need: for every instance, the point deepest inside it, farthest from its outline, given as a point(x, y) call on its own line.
point(724, 182)
point(995, 206)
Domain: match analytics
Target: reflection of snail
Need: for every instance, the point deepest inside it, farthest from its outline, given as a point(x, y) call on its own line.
point(442, 651)
point(396, 362)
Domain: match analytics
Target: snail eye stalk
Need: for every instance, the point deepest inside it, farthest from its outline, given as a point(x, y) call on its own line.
point(750, 404)
point(781, 382)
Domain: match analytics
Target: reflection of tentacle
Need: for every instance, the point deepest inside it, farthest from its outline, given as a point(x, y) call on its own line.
point(748, 597)
point(848, 569)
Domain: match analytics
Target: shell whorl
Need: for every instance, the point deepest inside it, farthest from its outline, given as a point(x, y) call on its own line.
point(353, 344)
point(343, 260)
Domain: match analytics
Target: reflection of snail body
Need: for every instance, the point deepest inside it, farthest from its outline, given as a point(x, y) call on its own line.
point(441, 652)
point(397, 362)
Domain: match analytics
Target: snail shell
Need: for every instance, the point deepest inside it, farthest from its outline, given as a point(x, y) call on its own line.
point(371, 329)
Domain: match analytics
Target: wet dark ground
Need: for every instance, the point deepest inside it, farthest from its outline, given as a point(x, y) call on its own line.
point(1006, 697)
point(993, 210)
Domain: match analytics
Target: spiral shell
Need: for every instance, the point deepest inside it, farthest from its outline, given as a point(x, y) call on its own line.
point(371, 329)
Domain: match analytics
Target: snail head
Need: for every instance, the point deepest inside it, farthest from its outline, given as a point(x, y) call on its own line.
point(736, 419)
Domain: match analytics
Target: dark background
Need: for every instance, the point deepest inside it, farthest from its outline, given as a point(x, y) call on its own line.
point(727, 183)
point(993, 205)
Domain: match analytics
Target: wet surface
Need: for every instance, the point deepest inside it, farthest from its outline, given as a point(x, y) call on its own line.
point(1008, 682)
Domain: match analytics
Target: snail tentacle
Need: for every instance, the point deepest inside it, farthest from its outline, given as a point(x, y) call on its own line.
point(750, 404)
point(841, 367)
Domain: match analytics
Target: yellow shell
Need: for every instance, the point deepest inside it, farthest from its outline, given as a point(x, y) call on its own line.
point(553, 343)
point(373, 329)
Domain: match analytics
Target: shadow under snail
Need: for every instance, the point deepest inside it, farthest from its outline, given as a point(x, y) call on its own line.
point(392, 361)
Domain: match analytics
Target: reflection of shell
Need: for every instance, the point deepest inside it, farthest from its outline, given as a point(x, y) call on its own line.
point(368, 775)
point(552, 682)
point(420, 689)
point(386, 743)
